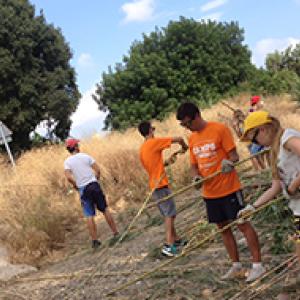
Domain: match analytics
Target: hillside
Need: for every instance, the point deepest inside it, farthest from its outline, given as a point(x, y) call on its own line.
point(41, 224)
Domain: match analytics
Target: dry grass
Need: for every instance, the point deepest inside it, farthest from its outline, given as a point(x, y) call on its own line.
point(35, 209)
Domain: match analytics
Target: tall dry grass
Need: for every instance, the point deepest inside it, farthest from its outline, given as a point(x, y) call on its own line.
point(36, 209)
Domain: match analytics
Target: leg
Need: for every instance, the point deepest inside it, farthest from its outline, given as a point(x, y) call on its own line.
point(174, 233)
point(252, 240)
point(92, 228)
point(110, 221)
point(229, 242)
point(169, 223)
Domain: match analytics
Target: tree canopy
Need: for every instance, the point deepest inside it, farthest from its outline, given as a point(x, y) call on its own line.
point(36, 80)
point(281, 75)
point(198, 61)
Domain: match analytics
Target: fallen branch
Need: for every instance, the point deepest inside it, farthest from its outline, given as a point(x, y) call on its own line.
point(253, 284)
point(188, 249)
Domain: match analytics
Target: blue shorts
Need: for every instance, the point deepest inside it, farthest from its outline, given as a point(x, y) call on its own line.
point(92, 197)
point(255, 148)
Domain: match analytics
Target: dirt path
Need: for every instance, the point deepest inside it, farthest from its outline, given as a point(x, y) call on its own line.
point(8, 270)
point(196, 276)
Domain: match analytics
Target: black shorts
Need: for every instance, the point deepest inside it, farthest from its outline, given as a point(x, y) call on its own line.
point(92, 196)
point(225, 208)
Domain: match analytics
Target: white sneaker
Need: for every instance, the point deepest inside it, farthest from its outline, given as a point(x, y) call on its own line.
point(255, 273)
point(234, 272)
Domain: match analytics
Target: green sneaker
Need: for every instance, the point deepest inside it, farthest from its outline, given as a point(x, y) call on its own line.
point(180, 243)
point(169, 251)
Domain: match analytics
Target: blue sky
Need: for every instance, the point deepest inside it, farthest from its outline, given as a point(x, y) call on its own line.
point(101, 32)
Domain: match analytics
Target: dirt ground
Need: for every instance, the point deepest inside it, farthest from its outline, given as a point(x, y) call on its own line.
point(79, 272)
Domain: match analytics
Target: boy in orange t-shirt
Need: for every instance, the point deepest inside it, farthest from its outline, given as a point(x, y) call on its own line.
point(212, 149)
point(152, 160)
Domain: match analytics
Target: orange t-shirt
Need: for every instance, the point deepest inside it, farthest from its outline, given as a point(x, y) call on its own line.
point(152, 160)
point(208, 147)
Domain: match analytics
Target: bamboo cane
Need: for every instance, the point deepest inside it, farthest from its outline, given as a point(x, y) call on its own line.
point(189, 186)
point(274, 280)
point(172, 159)
point(186, 250)
point(253, 284)
point(228, 106)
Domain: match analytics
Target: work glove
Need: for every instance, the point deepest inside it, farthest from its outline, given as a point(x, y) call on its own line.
point(197, 179)
point(227, 166)
point(245, 211)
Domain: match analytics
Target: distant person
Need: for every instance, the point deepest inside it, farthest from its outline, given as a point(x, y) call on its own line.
point(83, 173)
point(151, 157)
point(212, 149)
point(266, 130)
point(259, 162)
point(256, 103)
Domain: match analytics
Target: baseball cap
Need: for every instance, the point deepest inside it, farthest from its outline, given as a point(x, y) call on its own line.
point(71, 143)
point(253, 120)
point(254, 100)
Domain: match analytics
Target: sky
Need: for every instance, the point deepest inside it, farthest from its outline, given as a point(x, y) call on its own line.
point(100, 32)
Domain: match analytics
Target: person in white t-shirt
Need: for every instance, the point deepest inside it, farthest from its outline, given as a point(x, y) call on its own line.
point(82, 171)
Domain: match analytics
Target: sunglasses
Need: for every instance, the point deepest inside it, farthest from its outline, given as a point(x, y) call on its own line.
point(188, 123)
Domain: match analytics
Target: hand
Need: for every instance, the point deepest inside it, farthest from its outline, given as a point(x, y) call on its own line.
point(246, 211)
point(197, 180)
point(292, 189)
point(227, 166)
point(184, 148)
point(69, 192)
point(170, 160)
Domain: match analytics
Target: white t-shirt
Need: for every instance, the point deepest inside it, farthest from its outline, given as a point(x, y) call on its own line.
point(80, 164)
point(289, 168)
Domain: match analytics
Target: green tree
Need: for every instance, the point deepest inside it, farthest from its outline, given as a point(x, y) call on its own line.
point(289, 59)
point(36, 80)
point(191, 60)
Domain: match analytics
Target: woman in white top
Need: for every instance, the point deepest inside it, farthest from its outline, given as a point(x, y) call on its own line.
point(266, 130)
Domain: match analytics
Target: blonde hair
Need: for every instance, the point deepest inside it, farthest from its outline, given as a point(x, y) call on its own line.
point(277, 132)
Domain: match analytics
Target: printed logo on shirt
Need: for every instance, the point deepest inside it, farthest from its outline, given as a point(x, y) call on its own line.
point(206, 155)
point(205, 151)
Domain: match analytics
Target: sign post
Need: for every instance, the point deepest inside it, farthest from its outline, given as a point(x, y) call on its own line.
point(5, 138)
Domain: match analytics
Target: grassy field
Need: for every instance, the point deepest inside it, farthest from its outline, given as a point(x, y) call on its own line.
point(37, 208)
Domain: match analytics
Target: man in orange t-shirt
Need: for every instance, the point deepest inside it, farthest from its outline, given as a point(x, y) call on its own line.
point(212, 149)
point(152, 160)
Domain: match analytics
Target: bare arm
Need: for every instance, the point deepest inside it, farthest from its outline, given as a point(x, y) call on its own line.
point(181, 142)
point(233, 155)
point(96, 170)
point(269, 194)
point(70, 178)
point(194, 171)
point(293, 144)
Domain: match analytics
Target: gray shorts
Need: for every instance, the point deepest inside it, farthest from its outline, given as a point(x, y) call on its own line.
point(167, 208)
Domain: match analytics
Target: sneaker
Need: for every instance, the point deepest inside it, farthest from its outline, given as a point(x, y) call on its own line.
point(234, 272)
point(96, 244)
point(180, 243)
point(255, 273)
point(168, 250)
point(114, 239)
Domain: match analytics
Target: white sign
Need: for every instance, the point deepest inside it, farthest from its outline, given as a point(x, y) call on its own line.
point(5, 137)
point(4, 131)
